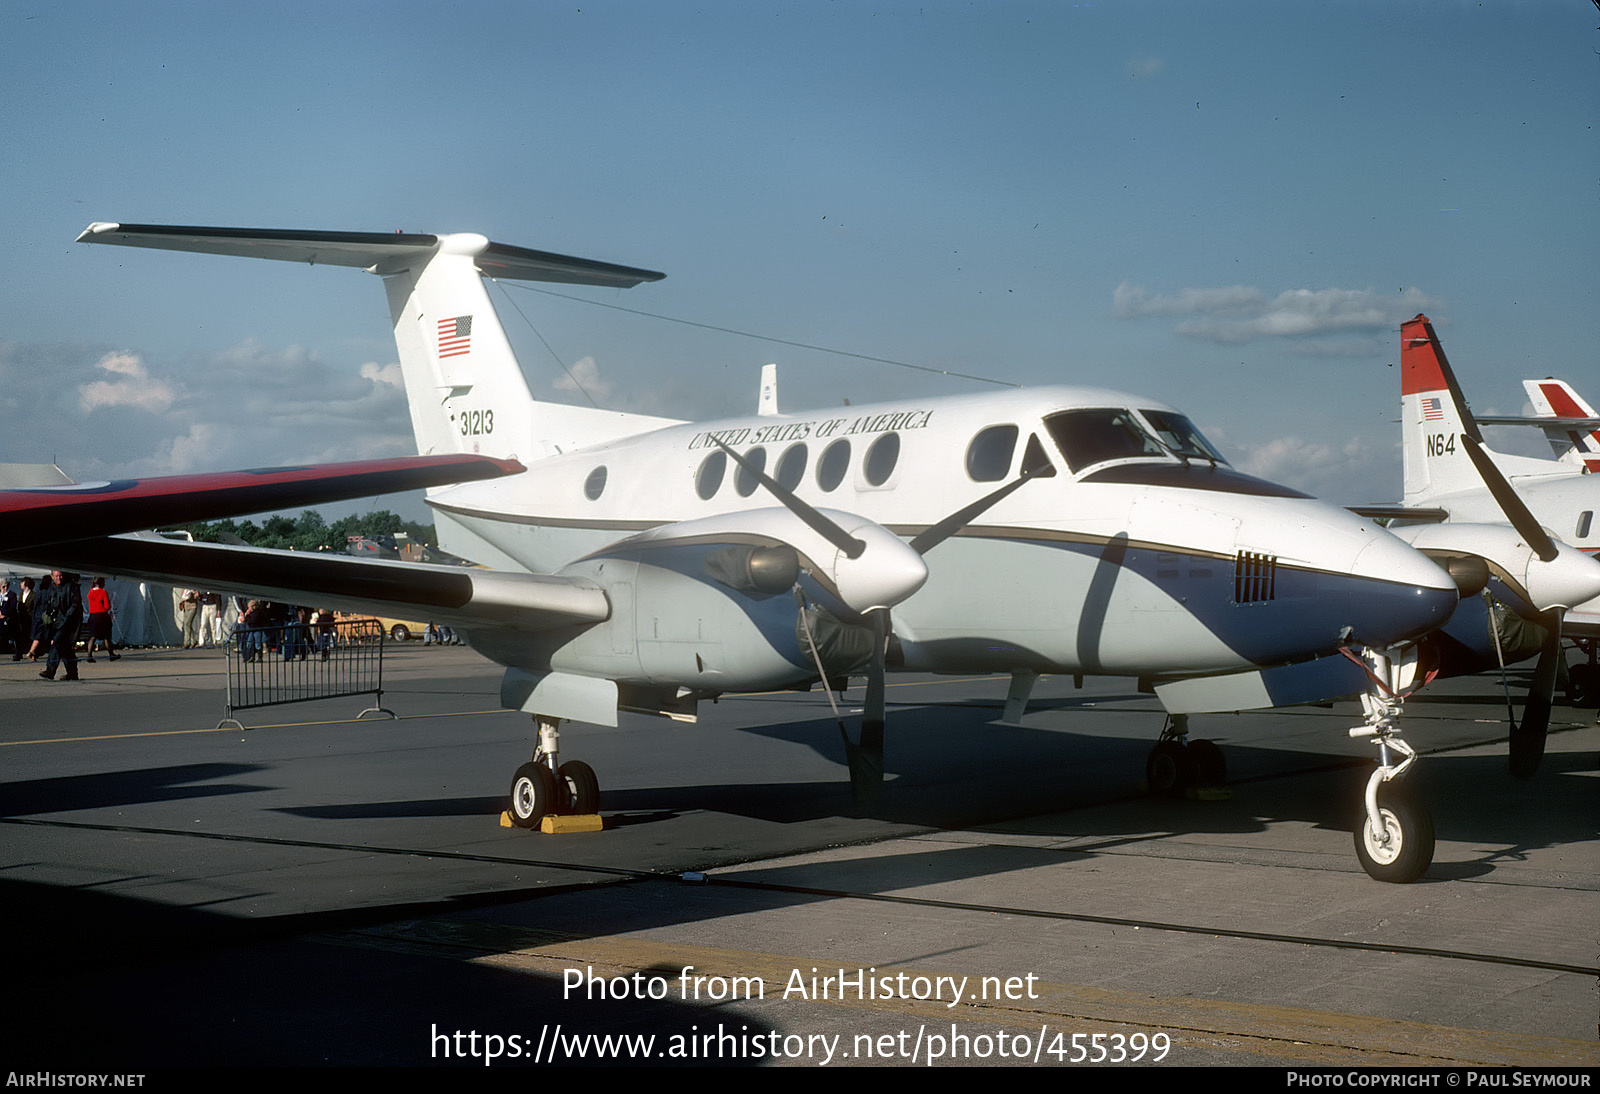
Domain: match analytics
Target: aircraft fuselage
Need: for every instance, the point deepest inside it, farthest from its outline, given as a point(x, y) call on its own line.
point(1125, 556)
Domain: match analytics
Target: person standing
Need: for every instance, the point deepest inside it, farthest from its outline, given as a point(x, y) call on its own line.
point(210, 619)
point(61, 611)
point(189, 617)
point(8, 619)
point(35, 605)
point(99, 620)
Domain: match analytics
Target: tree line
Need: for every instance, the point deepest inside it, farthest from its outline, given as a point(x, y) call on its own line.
point(308, 532)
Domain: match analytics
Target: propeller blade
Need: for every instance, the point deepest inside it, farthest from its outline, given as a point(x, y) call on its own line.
point(866, 759)
point(1510, 504)
point(827, 529)
point(958, 520)
point(1527, 739)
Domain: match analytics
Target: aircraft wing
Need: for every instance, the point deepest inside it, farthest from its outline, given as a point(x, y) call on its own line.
point(454, 595)
point(30, 516)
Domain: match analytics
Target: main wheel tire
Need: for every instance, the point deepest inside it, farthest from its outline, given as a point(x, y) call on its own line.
point(400, 632)
point(1169, 770)
point(1408, 851)
point(533, 795)
point(577, 789)
point(1210, 765)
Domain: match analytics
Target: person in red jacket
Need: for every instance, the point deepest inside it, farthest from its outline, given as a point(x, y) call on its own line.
point(99, 620)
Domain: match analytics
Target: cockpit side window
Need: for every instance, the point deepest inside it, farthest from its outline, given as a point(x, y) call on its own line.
point(1179, 434)
point(1088, 437)
point(1035, 461)
point(989, 454)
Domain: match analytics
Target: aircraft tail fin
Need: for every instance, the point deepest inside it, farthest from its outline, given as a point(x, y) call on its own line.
point(1575, 443)
point(1433, 416)
point(465, 388)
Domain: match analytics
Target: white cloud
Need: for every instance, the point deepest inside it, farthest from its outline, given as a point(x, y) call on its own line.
point(107, 415)
point(1361, 470)
point(384, 374)
point(584, 375)
point(1131, 301)
point(1242, 313)
point(1145, 66)
point(134, 387)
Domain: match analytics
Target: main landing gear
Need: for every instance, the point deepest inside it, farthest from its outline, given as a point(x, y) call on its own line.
point(1177, 764)
point(543, 786)
point(1394, 836)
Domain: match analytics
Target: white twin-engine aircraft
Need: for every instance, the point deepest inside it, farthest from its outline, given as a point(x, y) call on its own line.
point(644, 564)
point(1493, 520)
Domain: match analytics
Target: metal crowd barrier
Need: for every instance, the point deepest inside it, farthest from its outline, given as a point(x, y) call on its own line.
point(299, 662)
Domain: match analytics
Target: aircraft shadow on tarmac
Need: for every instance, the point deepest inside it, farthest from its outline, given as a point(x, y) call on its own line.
point(1050, 782)
point(152, 784)
point(182, 987)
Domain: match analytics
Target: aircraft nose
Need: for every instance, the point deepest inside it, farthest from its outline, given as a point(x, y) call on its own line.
point(1410, 594)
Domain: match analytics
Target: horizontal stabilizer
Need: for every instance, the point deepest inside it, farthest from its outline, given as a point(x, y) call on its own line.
point(388, 252)
point(1559, 423)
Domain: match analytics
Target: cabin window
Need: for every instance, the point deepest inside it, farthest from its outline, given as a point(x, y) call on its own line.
point(834, 463)
point(989, 454)
point(1088, 437)
point(709, 478)
point(791, 467)
point(1585, 519)
point(1179, 434)
point(882, 455)
point(744, 478)
point(595, 484)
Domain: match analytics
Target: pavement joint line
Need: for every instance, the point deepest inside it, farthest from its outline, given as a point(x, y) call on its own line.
point(804, 890)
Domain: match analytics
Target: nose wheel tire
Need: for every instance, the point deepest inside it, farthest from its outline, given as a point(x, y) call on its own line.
point(1405, 852)
point(577, 790)
point(533, 795)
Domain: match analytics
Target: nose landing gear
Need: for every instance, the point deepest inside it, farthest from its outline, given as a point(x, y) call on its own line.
point(1394, 836)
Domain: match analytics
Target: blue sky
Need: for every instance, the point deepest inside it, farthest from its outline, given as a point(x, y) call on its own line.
point(1227, 205)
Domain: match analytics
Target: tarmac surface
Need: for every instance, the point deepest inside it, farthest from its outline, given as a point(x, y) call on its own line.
point(321, 890)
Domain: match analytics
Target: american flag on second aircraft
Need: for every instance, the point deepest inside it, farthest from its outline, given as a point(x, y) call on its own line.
point(455, 336)
point(1432, 411)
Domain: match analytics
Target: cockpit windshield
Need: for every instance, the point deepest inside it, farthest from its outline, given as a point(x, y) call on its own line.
point(1088, 437)
point(1179, 434)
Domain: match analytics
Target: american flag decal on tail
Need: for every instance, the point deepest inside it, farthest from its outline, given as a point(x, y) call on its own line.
point(1432, 410)
point(455, 336)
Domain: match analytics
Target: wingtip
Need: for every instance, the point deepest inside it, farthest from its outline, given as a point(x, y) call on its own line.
point(99, 227)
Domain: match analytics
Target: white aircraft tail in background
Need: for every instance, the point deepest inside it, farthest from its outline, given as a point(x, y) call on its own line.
point(1570, 423)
